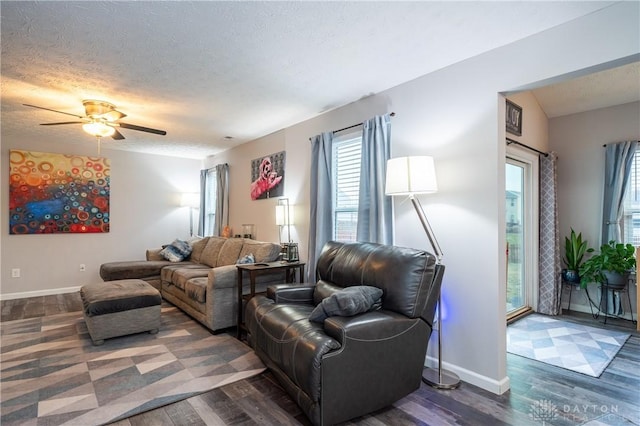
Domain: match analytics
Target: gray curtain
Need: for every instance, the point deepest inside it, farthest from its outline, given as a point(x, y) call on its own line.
point(549, 290)
point(375, 222)
point(321, 218)
point(203, 191)
point(617, 169)
point(222, 198)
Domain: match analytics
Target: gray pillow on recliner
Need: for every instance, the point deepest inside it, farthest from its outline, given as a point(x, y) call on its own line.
point(348, 302)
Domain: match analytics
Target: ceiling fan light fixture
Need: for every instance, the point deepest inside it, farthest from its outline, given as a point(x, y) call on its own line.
point(101, 120)
point(96, 109)
point(97, 129)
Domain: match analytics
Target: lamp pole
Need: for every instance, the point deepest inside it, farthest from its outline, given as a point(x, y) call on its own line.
point(440, 378)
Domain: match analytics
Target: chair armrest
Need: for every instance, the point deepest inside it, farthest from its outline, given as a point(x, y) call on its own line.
point(370, 326)
point(291, 293)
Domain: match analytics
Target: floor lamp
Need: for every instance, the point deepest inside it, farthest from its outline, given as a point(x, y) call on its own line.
point(191, 200)
point(416, 175)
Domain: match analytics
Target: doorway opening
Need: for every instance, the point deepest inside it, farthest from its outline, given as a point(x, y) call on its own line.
point(521, 203)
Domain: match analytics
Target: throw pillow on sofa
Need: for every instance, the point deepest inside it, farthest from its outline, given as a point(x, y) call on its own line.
point(348, 302)
point(177, 251)
point(246, 259)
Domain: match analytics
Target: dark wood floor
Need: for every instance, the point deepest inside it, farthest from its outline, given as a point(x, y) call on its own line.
point(539, 392)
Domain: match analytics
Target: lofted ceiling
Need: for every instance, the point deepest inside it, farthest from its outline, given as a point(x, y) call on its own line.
point(217, 74)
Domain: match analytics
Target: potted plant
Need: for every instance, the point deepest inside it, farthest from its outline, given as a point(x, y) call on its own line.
point(611, 266)
point(574, 250)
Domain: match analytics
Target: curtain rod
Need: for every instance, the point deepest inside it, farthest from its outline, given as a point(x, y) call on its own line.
point(356, 125)
point(632, 140)
point(510, 141)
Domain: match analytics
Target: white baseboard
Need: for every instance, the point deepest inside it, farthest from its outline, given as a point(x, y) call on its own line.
point(497, 387)
point(37, 293)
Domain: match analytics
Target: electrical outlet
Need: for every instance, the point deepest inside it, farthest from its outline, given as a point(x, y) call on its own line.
point(15, 273)
point(83, 267)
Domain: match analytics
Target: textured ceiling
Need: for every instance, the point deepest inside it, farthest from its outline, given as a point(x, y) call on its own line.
point(602, 89)
point(206, 70)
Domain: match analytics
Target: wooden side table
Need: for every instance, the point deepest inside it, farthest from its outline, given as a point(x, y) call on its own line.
point(256, 269)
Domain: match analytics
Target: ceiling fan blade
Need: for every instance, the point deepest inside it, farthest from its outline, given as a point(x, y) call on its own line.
point(117, 135)
point(53, 110)
point(140, 128)
point(113, 115)
point(62, 122)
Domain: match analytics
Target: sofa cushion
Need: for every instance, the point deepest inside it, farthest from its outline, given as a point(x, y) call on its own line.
point(166, 274)
point(197, 246)
point(154, 254)
point(347, 302)
point(196, 289)
point(182, 275)
point(177, 251)
point(211, 251)
point(230, 252)
point(262, 251)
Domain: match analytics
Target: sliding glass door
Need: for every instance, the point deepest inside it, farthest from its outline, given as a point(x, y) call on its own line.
point(521, 224)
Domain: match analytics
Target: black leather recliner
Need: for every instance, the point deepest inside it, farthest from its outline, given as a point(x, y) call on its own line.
point(349, 366)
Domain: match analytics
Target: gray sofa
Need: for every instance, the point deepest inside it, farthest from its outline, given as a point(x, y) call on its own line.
point(204, 285)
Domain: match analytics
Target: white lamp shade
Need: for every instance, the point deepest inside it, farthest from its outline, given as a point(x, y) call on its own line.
point(281, 215)
point(411, 175)
point(190, 199)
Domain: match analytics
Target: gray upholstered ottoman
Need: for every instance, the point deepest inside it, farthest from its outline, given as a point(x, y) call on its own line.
point(118, 308)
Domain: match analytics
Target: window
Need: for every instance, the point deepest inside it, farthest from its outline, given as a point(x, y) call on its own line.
point(631, 205)
point(346, 175)
point(210, 201)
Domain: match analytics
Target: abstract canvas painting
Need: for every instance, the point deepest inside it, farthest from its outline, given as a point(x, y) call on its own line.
point(57, 193)
point(267, 176)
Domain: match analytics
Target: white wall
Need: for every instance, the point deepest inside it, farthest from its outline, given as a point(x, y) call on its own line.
point(457, 116)
point(578, 139)
point(144, 210)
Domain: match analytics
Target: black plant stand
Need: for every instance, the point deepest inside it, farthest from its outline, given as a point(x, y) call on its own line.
point(604, 299)
point(571, 285)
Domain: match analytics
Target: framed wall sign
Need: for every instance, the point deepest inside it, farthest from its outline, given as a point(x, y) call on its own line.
point(514, 118)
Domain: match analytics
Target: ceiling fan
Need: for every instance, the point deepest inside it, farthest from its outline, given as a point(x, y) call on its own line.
point(100, 120)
